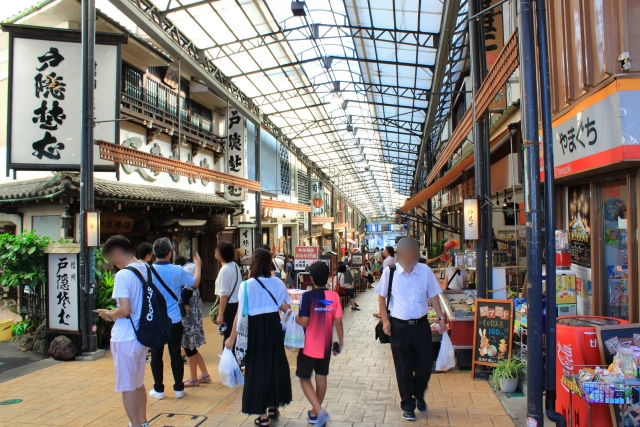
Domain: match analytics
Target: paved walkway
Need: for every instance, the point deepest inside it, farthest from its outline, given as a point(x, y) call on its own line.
point(362, 392)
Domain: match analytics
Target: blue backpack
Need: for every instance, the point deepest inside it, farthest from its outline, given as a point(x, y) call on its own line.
point(155, 325)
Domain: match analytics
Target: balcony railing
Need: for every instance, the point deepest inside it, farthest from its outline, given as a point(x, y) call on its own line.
point(157, 102)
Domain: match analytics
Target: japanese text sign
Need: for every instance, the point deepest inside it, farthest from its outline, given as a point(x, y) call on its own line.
point(318, 207)
point(45, 103)
point(304, 256)
point(62, 292)
point(470, 219)
point(235, 154)
point(493, 330)
point(246, 243)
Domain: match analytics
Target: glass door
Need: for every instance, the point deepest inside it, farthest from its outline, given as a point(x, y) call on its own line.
point(616, 249)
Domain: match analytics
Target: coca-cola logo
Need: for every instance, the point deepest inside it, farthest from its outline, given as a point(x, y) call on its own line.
point(565, 357)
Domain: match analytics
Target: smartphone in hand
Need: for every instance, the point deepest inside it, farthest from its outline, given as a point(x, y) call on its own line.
point(336, 348)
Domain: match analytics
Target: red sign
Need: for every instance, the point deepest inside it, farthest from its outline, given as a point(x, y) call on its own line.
point(304, 256)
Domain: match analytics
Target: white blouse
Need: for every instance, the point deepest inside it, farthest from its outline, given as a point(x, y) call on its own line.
point(259, 301)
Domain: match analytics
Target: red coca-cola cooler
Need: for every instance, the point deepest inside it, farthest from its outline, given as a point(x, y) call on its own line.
point(577, 344)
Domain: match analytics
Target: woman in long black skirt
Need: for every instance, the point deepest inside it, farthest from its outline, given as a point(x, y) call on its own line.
point(267, 383)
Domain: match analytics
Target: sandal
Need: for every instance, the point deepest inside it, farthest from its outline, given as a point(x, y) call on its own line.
point(273, 413)
point(260, 422)
point(376, 315)
point(191, 383)
point(204, 379)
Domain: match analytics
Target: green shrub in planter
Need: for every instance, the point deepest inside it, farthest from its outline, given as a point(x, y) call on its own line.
point(505, 370)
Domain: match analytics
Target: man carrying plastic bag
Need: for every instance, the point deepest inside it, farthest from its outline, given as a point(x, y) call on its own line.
point(446, 357)
point(229, 370)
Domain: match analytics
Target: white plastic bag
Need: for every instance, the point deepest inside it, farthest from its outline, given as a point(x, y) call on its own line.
point(229, 370)
point(294, 337)
point(446, 357)
point(242, 340)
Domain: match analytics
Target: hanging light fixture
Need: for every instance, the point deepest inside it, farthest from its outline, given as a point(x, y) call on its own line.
point(504, 203)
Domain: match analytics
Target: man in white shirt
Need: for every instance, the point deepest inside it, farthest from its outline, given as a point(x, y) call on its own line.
point(377, 255)
point(390, 256)
point(128, 354)
point(413, 286)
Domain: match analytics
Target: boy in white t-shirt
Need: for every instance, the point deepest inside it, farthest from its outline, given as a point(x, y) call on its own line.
point(128, 354)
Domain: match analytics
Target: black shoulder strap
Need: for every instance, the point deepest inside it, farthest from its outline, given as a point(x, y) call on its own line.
point(452, 277)
point(236, 284)
point(155, 273)
point(144, 283)
point(392, 271)
point(270, 294)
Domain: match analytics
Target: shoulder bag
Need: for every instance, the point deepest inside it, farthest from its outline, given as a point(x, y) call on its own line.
point(183, 311)
point(242, 340)
point(215, 308)
point(379, 331)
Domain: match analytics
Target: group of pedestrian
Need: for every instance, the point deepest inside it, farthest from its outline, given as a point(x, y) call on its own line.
point(261, 298)
point(178, 285)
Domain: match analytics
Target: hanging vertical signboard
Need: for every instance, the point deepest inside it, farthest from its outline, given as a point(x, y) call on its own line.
point(246, 242)
point(317, 198)
point(62, 287)
point(494, 43)
point(236, 153)
point(471, 226)
point(45, 98)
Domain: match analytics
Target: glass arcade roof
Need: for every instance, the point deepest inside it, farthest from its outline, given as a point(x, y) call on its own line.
point(348, 82)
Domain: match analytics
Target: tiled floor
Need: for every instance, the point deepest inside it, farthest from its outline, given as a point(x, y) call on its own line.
point(362, 391)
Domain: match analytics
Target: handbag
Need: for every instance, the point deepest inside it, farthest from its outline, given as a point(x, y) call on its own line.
point(339, 289)
point(242, 340)
point(284, 331)
point(379, 330)
point(183, 311)
point(215, 309)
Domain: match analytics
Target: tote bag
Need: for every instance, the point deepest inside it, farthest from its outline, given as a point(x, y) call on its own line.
point(242, 341)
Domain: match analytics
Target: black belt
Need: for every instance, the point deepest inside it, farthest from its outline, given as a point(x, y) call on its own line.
point(412, 321)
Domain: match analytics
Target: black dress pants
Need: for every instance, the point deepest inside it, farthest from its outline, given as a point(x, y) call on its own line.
point(177, 365)
point(413, 360)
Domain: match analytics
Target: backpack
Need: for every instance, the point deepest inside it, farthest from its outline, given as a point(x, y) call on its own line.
point(155, 325)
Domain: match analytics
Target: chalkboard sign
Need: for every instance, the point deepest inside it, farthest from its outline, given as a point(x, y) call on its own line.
point(493, 332)
point(609, 337)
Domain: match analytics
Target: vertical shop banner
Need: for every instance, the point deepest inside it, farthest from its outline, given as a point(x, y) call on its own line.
point(62, 292)
point(236, 154)
point(317, 198)
point(304, 256)
point(494, 43)
point(45, 103)
point(246, 243)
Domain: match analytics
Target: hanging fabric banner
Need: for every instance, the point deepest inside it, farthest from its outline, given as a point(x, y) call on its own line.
point(317, 199)
point(235, 154)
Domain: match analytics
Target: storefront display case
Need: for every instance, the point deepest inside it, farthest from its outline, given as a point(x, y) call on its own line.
point(458, 307)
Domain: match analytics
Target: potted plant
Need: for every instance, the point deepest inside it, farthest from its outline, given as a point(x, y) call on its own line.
point(506, 374)
point(103, 292)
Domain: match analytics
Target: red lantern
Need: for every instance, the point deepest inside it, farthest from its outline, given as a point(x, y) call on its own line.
point(317, 201)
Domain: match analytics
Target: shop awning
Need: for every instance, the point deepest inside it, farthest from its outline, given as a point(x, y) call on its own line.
point(278, 204)
point(321, 219)
point(447, 179)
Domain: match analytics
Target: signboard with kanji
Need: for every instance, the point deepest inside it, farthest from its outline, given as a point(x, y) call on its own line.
point(246, 244)
point(45, 117)
point(304, 256)
point(493, 332)
point(235, 154)
point(62, 292)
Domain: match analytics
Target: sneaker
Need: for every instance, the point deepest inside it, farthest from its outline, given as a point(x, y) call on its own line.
point(312, 420)
point(179, 394)
point(322, 419)
point(409, 415)
point(156, 395)
point(422, 406)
